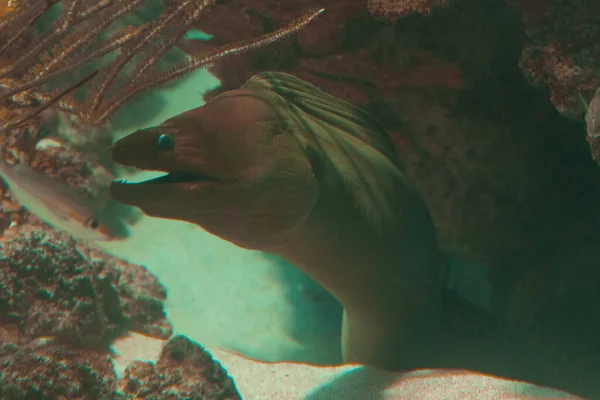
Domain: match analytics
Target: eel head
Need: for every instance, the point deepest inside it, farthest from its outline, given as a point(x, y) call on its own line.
point(232, 167)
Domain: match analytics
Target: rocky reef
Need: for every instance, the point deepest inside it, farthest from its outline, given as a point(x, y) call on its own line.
point(63, 302)
point(184, 370)
point(43, 369)
point(46, 369)
point(53, 285)
point(481, 100)
point(562, 53)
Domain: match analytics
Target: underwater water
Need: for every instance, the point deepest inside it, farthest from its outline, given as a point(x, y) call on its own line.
point(377, 200)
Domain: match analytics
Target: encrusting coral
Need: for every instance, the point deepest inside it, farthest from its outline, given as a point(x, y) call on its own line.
point(420, 76)
point(509, 182)
point(53, 285)
point(562, 53)
point(61, 304)
point(47, 369)
point(392, 9)
point(562, 50)
point(44, 369)
point(185, 370)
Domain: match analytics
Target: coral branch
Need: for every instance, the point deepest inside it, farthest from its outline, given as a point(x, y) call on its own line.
point(82, 36)
point(142, 82)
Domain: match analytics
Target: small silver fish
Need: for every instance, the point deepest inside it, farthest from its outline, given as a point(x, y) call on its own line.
point(54, 202)
point(592, 115)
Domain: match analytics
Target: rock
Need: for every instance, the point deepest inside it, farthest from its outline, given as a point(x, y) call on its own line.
point(44, 369)
point(51, 286)
point(184, 371)
point(563, 49)
point(392, 9)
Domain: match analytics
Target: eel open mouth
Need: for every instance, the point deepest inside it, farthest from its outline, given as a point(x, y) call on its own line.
point(157, 196)
point(174, 177)
point(180, 177)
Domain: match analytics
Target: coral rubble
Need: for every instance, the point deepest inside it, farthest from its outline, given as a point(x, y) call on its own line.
point(185, 370)
point(44, 369)
point(562, 53)
point(53, 285)
point(33, 58)
point(563, 49)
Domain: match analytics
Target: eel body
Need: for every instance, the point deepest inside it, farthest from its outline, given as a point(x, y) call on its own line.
point(280, 166)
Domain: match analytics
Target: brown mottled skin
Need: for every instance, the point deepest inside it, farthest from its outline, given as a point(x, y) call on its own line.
point(288, 169)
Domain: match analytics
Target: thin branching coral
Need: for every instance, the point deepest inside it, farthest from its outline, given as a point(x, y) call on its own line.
point(86, 33)
point(392, 9)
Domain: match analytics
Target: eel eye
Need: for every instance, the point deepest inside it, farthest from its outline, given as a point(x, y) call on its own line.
point(165, 141)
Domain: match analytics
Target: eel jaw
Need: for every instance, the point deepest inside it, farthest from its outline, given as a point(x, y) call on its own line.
point(176, 177)
point(150, 194)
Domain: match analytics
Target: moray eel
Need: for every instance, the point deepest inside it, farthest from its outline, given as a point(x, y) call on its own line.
point(280, 166)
